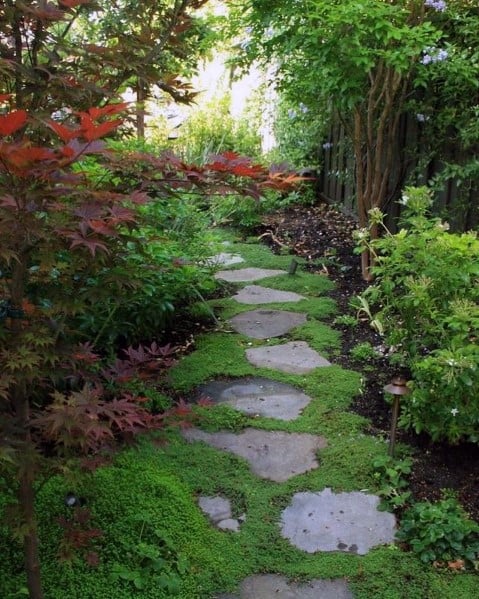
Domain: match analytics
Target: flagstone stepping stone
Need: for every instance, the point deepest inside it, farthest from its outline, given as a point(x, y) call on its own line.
point(326, 521)
point(226, 259)
point(258, 396)
point(268, 586)
point(295, 357)
point(273, 455)
point(255, 294)
point(263, 324)
point(218, 509)
point(247, 274)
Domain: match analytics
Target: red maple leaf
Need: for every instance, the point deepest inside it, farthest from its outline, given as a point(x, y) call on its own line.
point(12, 122)
point(108, 110)
point(91, 133)
point(65, 133)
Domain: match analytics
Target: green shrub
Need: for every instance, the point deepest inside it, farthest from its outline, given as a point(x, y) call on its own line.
point(391, 475)
point(298, 150)
point(212, 129)
point(426, 294)
point(346, 320)
point(440, 532)
point(363, 352)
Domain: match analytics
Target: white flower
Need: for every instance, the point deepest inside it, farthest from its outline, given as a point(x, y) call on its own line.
point(404, 200)
point(454, 411)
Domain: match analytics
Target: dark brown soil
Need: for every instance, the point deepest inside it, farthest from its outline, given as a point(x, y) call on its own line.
point(322, 237)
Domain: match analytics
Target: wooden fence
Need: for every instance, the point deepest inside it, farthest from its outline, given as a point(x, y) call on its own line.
point(457, 204)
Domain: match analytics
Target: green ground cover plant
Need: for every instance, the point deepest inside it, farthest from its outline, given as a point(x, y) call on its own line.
point(391, 475)
point(440, 532)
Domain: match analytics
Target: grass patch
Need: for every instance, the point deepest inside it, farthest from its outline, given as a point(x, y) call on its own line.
point(315, 307)
point(303, 283)
point(257, 255)
point(217, 354)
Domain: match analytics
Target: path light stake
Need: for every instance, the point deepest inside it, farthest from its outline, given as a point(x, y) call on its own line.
point(292, 267)
point(397, 388)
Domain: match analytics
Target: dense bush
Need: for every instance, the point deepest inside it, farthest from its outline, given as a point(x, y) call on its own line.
point(426, 294)
point(162, 271)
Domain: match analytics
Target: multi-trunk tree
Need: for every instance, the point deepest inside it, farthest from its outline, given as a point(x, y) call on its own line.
point(364, 63)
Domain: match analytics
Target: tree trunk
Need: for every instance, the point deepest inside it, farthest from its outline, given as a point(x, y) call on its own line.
point(140, 109)
point(26, 497)
point(26, 491)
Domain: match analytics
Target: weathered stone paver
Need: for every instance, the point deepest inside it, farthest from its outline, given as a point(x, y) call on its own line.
point(263, 324)
point(326, 521)
point(273, 455)
point(218, 509)
point(226, 259)
point(258, 396)
point(256, 294)
point(247, 274)
point(295, 357)
point(272, 586)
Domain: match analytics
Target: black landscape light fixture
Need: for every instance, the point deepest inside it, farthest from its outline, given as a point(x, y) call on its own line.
point(293, 267)
point(397, 388)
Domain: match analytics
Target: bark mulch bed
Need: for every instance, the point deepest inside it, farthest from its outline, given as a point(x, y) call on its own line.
point(321, 237)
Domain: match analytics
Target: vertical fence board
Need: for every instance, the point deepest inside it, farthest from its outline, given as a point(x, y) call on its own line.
point(461, 207)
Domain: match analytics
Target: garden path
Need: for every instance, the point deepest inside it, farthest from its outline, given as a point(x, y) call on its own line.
point(321, 521)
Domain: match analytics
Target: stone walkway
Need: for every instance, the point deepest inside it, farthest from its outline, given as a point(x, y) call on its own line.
point(313, 521)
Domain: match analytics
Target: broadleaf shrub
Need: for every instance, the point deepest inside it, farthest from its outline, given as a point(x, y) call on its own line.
point(426, 297)
point(440, 532)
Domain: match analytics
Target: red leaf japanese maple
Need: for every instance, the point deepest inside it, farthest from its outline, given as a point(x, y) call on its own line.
point(12, 122)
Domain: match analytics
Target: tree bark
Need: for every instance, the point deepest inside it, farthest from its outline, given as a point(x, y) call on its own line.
point(26, 491)
point(26, 497)
point(140, 109)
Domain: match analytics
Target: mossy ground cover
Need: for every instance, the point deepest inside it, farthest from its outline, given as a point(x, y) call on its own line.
point(146, 501)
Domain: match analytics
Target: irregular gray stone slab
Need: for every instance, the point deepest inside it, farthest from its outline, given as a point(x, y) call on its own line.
point(247, 274)
point(273, 455)
point(229, 524)
point(269, 586)
point(216, 508)
point(263, 324)
point(347, 522)
point(225, 259)
point(295, 357)
point(261, 396)
point(255, 294)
